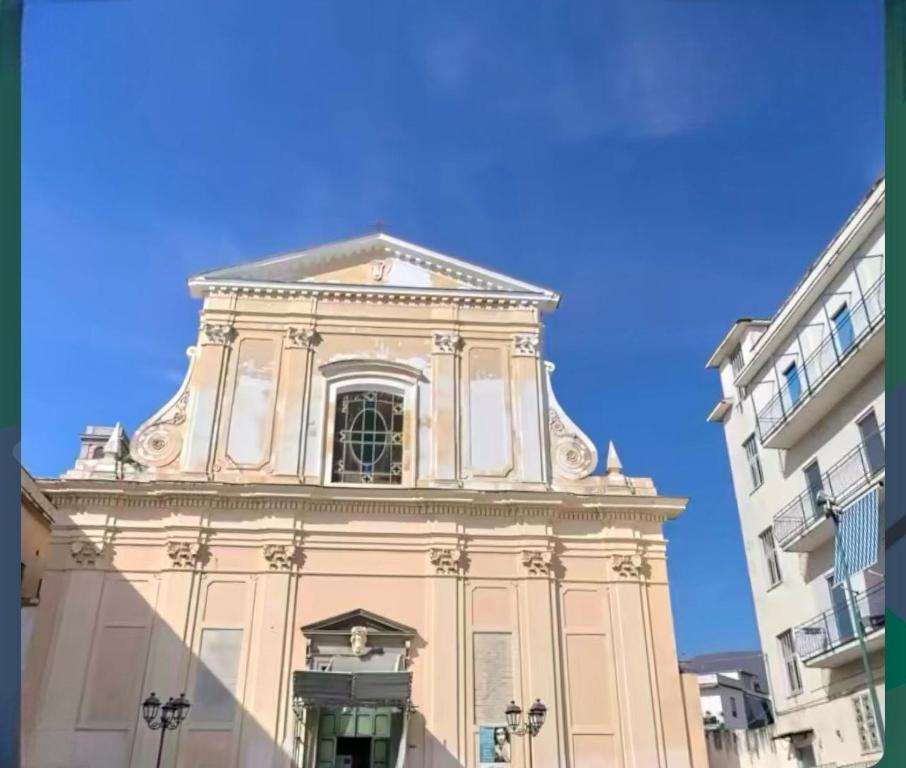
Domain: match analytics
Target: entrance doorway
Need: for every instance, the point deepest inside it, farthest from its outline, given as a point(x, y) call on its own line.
point(354, 752)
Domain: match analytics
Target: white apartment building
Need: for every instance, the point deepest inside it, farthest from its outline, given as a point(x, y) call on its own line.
point(802, 406)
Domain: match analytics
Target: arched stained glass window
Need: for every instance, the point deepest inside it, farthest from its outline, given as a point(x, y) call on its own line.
point(368, 438)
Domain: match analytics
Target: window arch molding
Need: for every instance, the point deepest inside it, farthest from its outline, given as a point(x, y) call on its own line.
point(389, 377)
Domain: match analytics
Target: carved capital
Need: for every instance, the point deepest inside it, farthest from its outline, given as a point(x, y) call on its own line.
point(628, 566)
point(184, 554)
point(446, 342)
point(219, 334)
point(85, 552)
point(446, 562)
point(302, 338)
point(538, 562)
point(279, 557)
point(526, 345)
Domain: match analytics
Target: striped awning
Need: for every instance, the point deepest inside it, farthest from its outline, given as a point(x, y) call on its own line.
point(856, 545)
point(352, 688)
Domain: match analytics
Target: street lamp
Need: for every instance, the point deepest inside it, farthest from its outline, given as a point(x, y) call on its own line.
point(832, 510)
point(166, 717)
point(536, 715)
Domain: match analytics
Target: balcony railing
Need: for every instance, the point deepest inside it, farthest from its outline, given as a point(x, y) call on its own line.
point(855, 470)
point(863, 317)
point(834, 627)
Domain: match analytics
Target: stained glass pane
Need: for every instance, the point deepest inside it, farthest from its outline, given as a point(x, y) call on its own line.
point(368, 438)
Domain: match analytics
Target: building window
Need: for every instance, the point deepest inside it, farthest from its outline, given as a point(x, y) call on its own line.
point(872, 442)
point(736, 360)
point(770, 556)
point(733, 710)
point(866, 724)
point(793, 385)
point(843, 329)
point(368, 438)
point(790, 662)
point(754, 460)
point(813, 484)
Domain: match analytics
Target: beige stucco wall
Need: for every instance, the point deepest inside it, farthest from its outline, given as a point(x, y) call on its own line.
point(522, 574)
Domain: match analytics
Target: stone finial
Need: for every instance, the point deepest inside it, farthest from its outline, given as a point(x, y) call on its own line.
point(537, 562)
point(446, 561)
point(116, 446)
point(613, 466)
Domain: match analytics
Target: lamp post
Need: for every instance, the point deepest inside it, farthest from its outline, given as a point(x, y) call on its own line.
point(536, 714)
point(832, 510)
point(166, 717)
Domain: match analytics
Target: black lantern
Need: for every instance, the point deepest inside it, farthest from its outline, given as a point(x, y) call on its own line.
point(536, 714)
point(513, 716)
point(181, 708)
point(150, 708)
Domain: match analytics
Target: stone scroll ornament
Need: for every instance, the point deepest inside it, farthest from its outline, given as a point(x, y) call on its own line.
point(219, 334)
point(537, 562)
point(302, 338)
point(279, 557)
point(86, 553)
point(573, 455)
point(628, 566)
point(183, 554)
point(526, 346)
point(446, 562)
point(446, 342)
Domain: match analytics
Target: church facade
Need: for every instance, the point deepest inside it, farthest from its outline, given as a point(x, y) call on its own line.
point(361, 527)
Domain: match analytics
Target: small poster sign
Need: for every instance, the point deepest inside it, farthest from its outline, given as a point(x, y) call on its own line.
point(493, 746)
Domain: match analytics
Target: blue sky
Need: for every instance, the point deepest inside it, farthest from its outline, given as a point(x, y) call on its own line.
point(666, 166)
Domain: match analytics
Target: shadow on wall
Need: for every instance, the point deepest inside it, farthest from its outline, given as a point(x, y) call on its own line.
point(104, 639)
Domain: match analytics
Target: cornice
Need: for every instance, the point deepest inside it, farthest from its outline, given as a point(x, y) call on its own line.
point(171, 495)
point(370, 294)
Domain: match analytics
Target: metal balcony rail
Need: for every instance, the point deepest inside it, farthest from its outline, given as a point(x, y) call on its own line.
point(863, 317)
point(856, 469)
point(834, 627)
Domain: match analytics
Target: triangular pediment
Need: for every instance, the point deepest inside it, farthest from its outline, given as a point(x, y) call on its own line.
point(373, 263)
point(344, 622)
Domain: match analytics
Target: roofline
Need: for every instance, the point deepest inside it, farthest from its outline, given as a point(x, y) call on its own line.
point(846, 240)
point(731, 336)
point(391, 243)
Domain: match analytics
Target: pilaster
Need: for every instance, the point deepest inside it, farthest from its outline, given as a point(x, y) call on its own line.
point(445, 407)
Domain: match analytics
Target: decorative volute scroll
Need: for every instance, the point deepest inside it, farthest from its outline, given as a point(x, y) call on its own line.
point(538, 562)
point(630, 566)
point(573, 455)
point(526, 345)
point(302, 338)
point(446, 561)
point(159, 441)
point(446, 342)
point(220, 334)
point(85, 552)
point(279, 557)
point(183, 554)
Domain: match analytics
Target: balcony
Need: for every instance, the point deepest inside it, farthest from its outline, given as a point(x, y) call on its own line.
point(827, 374)
point(801, 525)
point(829, 640)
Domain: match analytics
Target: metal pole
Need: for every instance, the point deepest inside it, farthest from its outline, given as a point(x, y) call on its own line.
point(857, 621)
point(160, 748)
